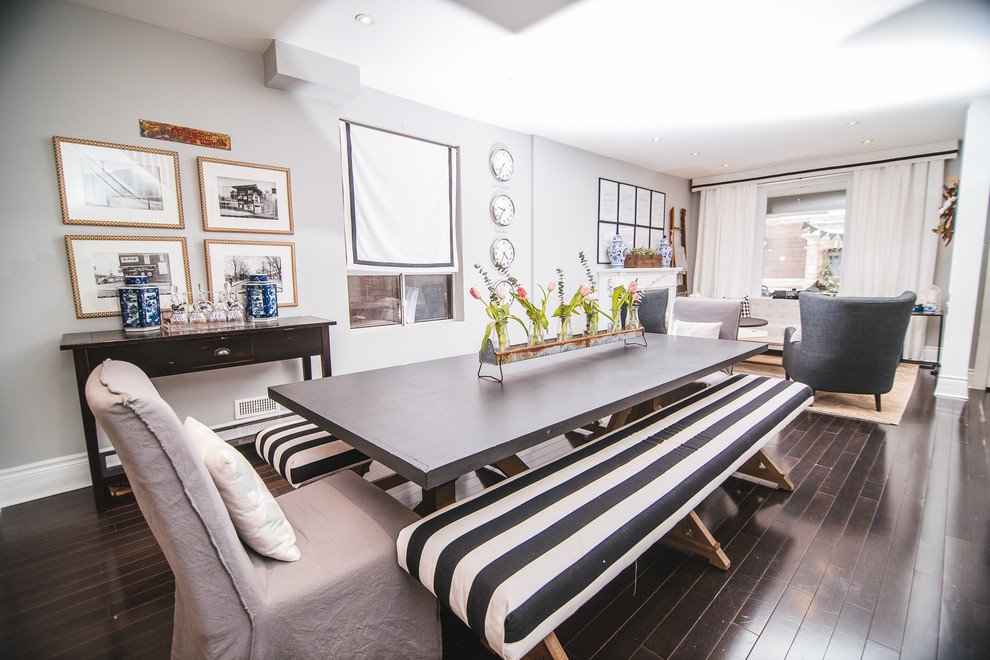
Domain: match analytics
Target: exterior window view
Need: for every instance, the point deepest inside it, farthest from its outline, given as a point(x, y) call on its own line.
point(802, 246)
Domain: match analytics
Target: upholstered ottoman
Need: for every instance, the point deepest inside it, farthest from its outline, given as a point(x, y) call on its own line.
point(301, 452)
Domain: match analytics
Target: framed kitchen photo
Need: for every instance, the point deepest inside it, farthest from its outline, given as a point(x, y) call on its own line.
point(98, 265)
point(118, 185)
point(245, 197)
point(233, 263)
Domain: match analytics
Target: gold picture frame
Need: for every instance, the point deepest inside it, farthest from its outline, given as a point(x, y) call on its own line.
point(231, 262)
point(98, 264)
point(117, 185)
point(245, 197)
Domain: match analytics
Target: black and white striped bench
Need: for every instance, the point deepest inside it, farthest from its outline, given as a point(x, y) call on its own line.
point(517, 559)
point(302, 452)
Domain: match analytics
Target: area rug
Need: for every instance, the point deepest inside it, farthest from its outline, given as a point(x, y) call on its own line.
point(851, 406)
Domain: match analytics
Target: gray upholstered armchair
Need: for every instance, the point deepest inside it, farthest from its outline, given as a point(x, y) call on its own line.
point(345, 597)
point(850, 345)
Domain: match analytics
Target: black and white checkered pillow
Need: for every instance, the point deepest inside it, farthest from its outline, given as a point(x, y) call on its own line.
point(744, 312)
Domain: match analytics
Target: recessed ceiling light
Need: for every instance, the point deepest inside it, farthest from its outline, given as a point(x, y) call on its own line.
point(853, 123)
point(867, 141)
point(695, 153)
point(725, 164)
point(365, 19)
point(657, 139)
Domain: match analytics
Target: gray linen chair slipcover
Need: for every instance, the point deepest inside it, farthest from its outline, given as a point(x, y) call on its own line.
point(345, 598)
point(653, 310)
point(709, 310)
point(848, 344)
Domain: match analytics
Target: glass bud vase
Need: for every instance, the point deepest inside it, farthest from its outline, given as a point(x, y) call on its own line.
point(565, 329)
point(502, 332)
point(591, 324)
point(632, 318)
point(536, 334)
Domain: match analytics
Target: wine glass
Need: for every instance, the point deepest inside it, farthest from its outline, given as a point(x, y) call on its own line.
point(235, 308)
point(218, 313)
point(179, 317)
point(200, 310)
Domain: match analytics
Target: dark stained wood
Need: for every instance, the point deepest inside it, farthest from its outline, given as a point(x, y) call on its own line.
point(882, 551)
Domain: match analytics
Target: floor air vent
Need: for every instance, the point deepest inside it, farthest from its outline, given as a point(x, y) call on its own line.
point(259, 405)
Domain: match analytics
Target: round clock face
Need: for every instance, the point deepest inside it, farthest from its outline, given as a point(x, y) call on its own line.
point(501, 164)
point(503, 210)
point(503, 252)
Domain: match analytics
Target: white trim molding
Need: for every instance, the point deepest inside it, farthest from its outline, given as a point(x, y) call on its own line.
point(951, 387)
point(49, 477)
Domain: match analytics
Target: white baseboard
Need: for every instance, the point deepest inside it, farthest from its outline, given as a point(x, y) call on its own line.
point(952, 387)
point(50, 477)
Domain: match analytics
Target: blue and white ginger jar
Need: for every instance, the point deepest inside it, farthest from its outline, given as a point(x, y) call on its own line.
point(617, 251)
point(666, 251)
point(140, 307)
point(262, 299)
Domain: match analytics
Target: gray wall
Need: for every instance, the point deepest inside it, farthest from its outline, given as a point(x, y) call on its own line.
point(74, 72)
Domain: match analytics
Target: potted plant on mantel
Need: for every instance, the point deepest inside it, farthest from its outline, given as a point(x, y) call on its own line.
point(643, 257)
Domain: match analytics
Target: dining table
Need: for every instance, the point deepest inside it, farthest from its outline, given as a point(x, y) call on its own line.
point(435, 420)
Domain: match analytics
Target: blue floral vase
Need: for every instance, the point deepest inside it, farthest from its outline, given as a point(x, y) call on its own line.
point(617, 251)
point(140, 308)
point(262, 299)
point(666, 251)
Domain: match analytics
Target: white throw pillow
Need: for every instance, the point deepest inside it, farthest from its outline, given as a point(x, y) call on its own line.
point(256, 515)
point(690, 329)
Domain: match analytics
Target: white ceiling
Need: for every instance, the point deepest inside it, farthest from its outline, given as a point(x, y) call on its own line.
point(747, 84)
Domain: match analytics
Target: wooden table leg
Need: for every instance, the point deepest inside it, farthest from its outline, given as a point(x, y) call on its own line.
point(511, 466)
point(549, 648)
point(435, 499)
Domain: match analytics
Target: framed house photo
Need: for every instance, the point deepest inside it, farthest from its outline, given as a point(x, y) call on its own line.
point(245, 197)
point(233, 262)
point(98, 265)
point(118, 185)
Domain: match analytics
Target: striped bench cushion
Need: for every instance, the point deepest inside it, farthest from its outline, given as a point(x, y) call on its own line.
point(517, 559)
point(301, 452)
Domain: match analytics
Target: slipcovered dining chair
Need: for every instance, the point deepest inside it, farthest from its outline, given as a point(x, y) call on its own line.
point(848, 344)
point(344, 596)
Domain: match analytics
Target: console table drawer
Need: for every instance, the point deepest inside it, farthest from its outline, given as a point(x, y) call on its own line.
point(222, 351)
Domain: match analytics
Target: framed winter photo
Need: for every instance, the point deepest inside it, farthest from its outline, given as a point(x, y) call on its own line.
point(233, 263)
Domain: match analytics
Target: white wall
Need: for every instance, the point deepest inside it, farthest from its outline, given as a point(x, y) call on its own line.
point(74, 72)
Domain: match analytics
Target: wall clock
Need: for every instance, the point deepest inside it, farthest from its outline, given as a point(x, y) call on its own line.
point(503, 252)
point(501, 163)
point(502, 210)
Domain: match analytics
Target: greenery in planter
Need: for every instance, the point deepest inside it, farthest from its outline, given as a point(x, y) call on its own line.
point(642, 250)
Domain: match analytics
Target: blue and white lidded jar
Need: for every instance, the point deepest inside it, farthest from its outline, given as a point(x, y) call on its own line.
point(140, 308)
point(666, 251)
point(262, 299)
point(617, 251)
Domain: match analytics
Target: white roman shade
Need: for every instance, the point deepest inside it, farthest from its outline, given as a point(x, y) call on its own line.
point(399, 191)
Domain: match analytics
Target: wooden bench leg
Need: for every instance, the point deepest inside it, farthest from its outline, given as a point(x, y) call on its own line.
point(691, 535)
point(761, 466)
point(549, 649)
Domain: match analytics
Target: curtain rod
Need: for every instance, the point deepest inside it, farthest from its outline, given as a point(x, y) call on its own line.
point(949, 152)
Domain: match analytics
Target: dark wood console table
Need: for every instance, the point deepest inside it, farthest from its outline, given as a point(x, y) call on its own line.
point(188, 351)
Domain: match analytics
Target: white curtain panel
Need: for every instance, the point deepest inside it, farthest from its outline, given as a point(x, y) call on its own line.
point(727, 224)
point(889, 244)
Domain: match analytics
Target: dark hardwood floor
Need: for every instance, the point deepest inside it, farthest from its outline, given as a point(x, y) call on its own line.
point(882, 551)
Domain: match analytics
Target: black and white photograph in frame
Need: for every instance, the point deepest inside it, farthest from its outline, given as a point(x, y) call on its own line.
point(99, 264)
point(233, 263)
point(118, 185)
point(245, 197)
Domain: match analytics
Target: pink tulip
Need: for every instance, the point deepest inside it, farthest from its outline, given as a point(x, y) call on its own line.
point(551, 286)
point(501, 293)
point(636, 297)
point(591, 297)
point(522, 293)
point(633, 286)
point(585, 290)
point(474, 292)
